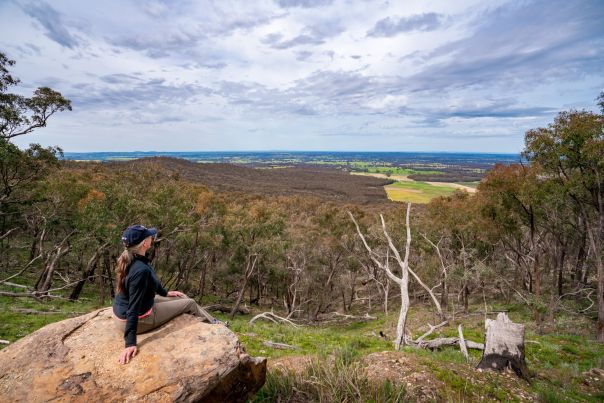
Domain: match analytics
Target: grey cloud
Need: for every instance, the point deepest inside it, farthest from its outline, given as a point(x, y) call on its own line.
point(312, 35)
point(499, 110)
point(128, 93)
point(119, 78)
point(52, 23)
point(509, 49)
point(176, 38)
point(214, 65)
point(155, 8)
point(28, 49)
point(299, 40)
point(303, 55)
point(391, 26)
point(303, 3)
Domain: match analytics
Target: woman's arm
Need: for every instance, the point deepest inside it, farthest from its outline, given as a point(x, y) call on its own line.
point(137, 284)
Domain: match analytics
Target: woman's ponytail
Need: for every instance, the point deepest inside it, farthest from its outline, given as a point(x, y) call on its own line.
point(123, 262)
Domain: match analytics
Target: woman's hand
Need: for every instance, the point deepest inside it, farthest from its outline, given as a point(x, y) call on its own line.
point(127, 354)
point(176, 294)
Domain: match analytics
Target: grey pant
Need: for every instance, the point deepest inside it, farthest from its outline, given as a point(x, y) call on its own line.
point(164, 309)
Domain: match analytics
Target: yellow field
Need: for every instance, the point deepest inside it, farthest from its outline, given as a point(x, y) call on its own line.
point(416, 192)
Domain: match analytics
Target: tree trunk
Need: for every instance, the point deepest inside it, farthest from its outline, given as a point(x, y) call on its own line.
point(50, 269)
point(402, 316)
point(86, 273)
point(504, 346)
point(249, 270)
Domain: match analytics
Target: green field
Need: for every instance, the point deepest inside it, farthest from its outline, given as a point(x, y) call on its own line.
point(416, 192)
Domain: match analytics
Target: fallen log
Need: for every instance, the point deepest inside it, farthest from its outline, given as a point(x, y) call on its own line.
point(448, 341)
point(504, 346)
point(279, 346)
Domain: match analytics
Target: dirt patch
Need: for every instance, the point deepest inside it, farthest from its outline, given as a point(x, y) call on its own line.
point(293, 363)
point(593, 382)
point(430, 380)
point(419, 382)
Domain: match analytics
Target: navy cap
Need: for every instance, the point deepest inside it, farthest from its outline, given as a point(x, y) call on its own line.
point(135, 234)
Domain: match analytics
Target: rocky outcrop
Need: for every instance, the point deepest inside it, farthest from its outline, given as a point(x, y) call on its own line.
point(77, 360)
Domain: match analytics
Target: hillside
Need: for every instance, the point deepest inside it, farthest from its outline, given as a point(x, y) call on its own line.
point(326, 183)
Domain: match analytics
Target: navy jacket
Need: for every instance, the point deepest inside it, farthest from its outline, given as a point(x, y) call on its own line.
point(140, 286)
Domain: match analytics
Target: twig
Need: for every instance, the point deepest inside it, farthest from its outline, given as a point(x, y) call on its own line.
point(23, 269)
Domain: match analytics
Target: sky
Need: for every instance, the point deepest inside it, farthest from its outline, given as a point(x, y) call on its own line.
point(339, 75)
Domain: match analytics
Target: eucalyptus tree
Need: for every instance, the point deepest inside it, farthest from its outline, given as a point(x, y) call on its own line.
point(571, 152)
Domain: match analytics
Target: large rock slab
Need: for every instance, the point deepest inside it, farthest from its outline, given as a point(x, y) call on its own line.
point(77, 360)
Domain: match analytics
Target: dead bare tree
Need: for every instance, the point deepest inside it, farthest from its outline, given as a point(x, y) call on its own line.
point(402, 281)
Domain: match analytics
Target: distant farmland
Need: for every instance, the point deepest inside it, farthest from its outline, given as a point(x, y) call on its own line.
point(416, 192)
point(376, 176)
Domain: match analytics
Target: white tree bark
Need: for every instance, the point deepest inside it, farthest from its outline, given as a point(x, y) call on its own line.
point(403, 281)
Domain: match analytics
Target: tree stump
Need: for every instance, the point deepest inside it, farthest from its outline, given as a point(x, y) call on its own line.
point(504, 346)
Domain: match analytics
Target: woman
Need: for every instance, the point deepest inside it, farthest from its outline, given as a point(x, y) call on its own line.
point(136, 307)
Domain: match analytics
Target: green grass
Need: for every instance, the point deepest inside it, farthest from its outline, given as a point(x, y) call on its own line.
point(308, 340)
point(338, 377)
point(416, 192)
point(15, 324)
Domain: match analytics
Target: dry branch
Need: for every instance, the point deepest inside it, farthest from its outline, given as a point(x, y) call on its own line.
point(273, 318)
point(353, 317)
point(429, 332)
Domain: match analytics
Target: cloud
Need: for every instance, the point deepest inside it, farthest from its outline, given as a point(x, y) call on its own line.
point(304, 3)
point(390, 26)
point(312, 35)
point(52, 23)
point(190, 34)
point(511, 50)
point(126, 92)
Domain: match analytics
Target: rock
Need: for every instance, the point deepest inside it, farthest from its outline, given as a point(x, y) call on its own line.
point(77, 360)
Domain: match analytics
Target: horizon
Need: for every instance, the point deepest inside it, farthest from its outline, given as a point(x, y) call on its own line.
point(287, 151)
point(470, 76)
